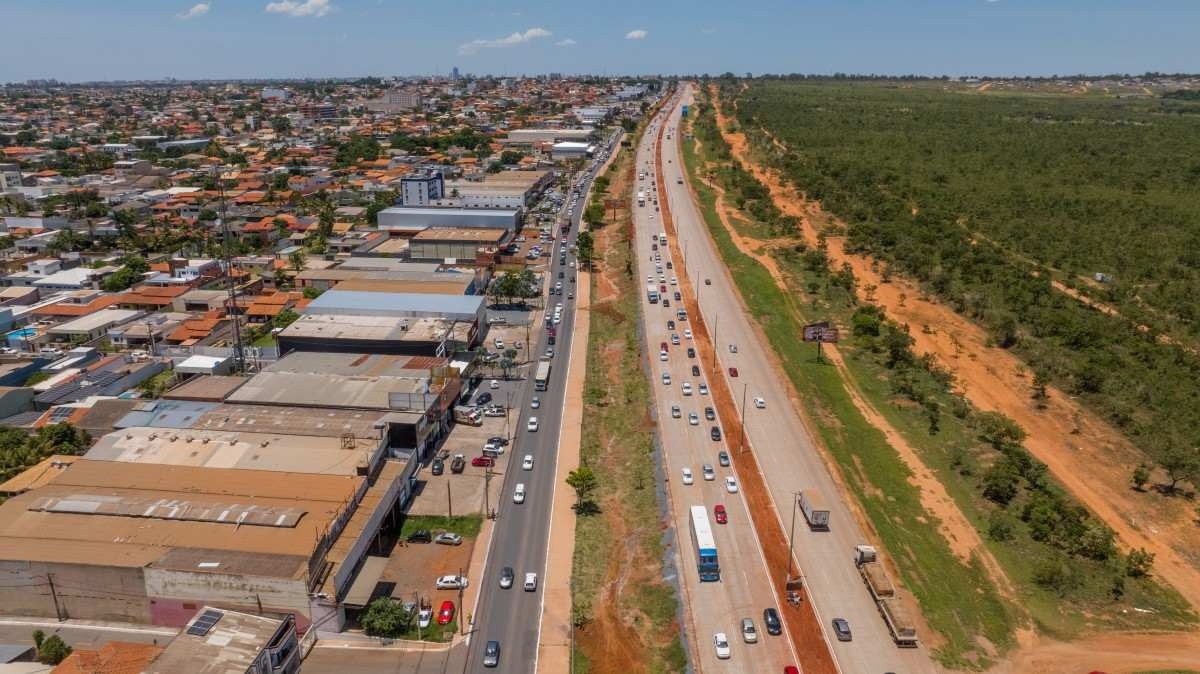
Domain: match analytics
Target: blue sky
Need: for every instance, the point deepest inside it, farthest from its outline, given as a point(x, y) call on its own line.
point(123, 39)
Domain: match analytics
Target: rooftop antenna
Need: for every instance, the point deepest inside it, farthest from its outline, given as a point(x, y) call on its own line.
point(239, 356)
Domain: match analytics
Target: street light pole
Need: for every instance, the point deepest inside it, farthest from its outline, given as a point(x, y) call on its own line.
point(742, 440)
point(791, 536)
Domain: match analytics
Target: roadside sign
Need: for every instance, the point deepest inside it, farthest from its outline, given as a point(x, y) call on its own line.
point(821, 333)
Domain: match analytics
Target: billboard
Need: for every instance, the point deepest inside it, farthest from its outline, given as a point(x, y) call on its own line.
point(820, 332)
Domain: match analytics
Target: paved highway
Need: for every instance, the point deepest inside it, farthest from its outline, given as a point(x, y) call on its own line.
point(521, 534)
point(744, 589)
point(784, 447)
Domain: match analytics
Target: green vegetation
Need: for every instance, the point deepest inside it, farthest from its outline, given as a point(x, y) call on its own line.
point(618, 450)
point(985, 199)
point(466, 526)
point(130, 273)
point(51, 650)
point(157, 385)
point(19, 450)
point(1062, 562)
point(357, 148)
point(514, 285)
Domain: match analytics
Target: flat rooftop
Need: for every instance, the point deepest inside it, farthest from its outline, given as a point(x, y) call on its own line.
point(467, 234)
point(396, 304)
point(276, 452)
point(327, 423)
point(360, 381)
point(110, 513)
point(358, 327)
point(229, 646)
point(206, 388)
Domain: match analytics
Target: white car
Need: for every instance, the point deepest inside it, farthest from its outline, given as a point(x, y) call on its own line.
point(674, 281)
point(451, 582)
point(532, 425)
point(703, 389)
point(424, 618)
point(687, 388)
point(687, 476)
point(530, 582)
point(731, 484)
point(499, 343)
point(687, 333)
point(693, 419)
point(721, 643)
point(662, 355)
point(535, 403)
point(527, 462)
point(493, 384)
point(709, 473)
point(519, 493)
point(760, 403)
point(666, 378)
point(675, 413)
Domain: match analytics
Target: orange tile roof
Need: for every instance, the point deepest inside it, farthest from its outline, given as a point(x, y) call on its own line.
point(114, 657)
point(68, 309)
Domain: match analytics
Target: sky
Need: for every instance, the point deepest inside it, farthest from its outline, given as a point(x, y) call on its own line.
point(84, 40)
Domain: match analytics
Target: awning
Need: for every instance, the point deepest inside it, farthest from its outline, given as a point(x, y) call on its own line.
point(363, 587)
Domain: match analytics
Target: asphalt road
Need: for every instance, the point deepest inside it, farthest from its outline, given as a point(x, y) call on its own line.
point(521, 534)
point(785, 449)
point(744, 589)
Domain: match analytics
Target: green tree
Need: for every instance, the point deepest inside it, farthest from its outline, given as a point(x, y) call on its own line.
point(1001, 482)
point(999, 430)
point(1182, 464)
point(285, 318)
point(385, 617)
point(585, 249)
point(1141, 475)
point(130, 273)
point(296, 259)
point(281, 124)
point(311, 293)
point(584, 481)
point(53, 650)
point(1138, 563)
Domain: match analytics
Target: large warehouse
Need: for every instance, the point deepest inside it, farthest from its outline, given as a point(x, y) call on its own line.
point(402, 219)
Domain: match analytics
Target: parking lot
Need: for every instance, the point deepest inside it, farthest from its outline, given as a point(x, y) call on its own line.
point(466, 490)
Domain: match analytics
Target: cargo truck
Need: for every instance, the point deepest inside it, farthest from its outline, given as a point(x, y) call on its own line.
point(468, 415)
point(814, 509)
point(652, 293)
point(899, 623)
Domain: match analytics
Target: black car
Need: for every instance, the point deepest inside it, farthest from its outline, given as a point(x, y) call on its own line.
point(666, 302)
point(561, 274)
point(707, 282)
point(691, 352)
point(499, 440)
point(420, 536)
point(484, 398)
point(709, 414)
point(842, 629)
point(695, 370)
point(458, 464)
point(491, 654)
point(715, 433)
point(670, 325)
point(437, 467)
point(771, 620)
point(678, 297)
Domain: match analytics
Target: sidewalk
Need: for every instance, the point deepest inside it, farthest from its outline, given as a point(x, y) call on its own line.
point(554, 646)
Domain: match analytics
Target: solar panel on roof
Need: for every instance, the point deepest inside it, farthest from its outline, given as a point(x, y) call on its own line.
point(205, 623)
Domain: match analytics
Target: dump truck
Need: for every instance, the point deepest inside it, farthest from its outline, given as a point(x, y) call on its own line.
point(895, 616)
point(814, 509)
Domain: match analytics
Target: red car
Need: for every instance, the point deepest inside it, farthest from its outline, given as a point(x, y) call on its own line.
point(483, 461)
point(733, 372)
point(446, 614)
point(662, 346)
point(719, 513)
point(791, 669)
point(662, 288)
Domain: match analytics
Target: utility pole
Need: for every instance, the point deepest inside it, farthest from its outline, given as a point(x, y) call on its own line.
point(449, 502)
point(791, 536)
point(417, 601)
point(487, 501)
point(462, 623)
point(58, 612)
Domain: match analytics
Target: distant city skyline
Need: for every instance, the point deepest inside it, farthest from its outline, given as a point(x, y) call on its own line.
point(78, 40)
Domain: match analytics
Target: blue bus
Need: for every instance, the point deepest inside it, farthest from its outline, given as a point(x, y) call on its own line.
point(705, 546)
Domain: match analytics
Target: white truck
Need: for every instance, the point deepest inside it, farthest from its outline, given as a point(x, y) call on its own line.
point(641, 197)
point(815, 512)
point(895, 616)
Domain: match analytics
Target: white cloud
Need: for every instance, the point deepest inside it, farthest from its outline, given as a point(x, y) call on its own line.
point(300, 9)
point(565, 43)
point(638, 34)
point(198, 9)
point(474, 46)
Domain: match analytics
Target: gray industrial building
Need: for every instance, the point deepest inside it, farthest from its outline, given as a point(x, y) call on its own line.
point(402, 219)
